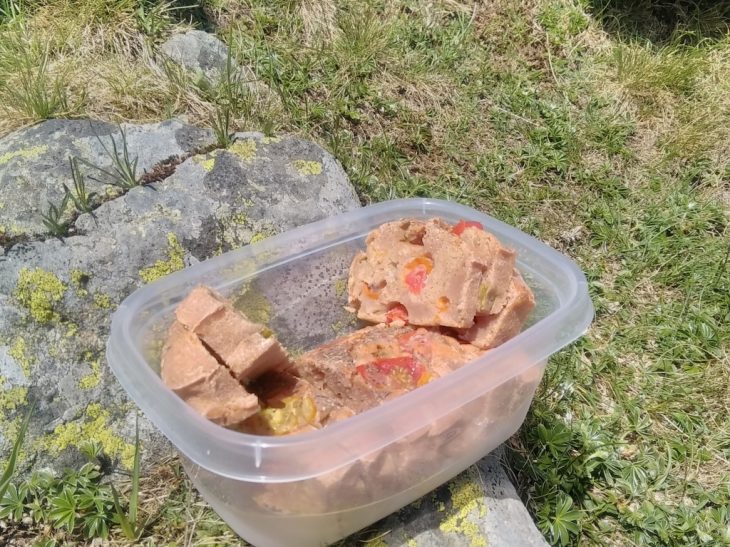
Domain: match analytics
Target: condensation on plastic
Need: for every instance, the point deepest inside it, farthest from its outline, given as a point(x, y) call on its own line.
point(319, 480)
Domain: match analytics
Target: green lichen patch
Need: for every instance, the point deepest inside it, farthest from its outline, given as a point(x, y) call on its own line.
point(92, 379)
point(10, 399)
point(239, 219)
point(271, 140)
point(102, 301)
point(25, 153)
point(254, 305)
point(39, 292)
point(79, 279)
point(113, 192)
point(161, 268)
point(95, 427)
point(344, 326)
point(340, 287)
point(259, 236)
point(244, 149)
point(206, 161)
point(467, 509)
point(307, 168)
point(71, 330)
point(375, 542)
point(19, 352)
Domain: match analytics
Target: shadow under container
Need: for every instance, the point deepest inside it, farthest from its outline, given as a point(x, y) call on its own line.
point(315, 488)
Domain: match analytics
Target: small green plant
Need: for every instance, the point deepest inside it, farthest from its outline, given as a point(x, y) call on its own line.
point(82, 200)
point(53, 218)
point(9, 471)
point(154, 18)
point(38, 94)
point(231, 96)
point(9, 10)
point(123, 173)
point(221, 126)
point(129, 522)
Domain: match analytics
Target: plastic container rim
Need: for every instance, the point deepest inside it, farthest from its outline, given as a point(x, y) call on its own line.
point(129, 362)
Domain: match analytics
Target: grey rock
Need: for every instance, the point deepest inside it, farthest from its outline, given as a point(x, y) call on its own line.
point(34, 162)
point(57, 296)
point(206, 56)
point(478, 507)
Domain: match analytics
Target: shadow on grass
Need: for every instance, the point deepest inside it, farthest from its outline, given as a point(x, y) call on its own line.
point(196, 13)
point(664, 22)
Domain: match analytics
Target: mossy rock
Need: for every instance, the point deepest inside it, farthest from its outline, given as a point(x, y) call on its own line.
point(57, 295)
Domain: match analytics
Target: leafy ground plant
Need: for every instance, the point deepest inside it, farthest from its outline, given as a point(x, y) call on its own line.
point(123, 170)
point(53, 218)
point(79, 503)
point(82, 200)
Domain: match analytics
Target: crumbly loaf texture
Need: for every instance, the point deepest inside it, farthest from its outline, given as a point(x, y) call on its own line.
point(440, 277)
point(211, 349)
point(374, 364)
point(497, 263)
point(193, 373)
point(235, 340)
point(413, 272)
point(489, 331)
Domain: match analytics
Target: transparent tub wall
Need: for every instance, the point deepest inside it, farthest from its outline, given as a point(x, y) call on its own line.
point(345, 500)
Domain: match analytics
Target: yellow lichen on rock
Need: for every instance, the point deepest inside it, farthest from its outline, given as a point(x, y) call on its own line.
point(206, 161)
point(162, 268)
point(258, 236)
point(271, 140)
point(25, 153)
point(10, 399)
point(245, 149)
point(102, 301)
point(95, 428)
point(78, 280)
point(19, 352)
point(307, 168)
point(340, 287)
point(254, 305)
point(467, 499)
point(39, 292)
point(91, 380)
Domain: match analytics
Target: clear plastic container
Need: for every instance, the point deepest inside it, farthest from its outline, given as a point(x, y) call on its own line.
point(315, 488)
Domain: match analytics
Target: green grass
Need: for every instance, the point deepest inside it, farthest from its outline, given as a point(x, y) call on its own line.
point(600, 127)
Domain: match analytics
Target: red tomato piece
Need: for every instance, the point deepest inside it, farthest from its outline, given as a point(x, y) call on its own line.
point(393, 373)
point(416, 279)
point(462, 225)
point(397, 312)
point(416, 272)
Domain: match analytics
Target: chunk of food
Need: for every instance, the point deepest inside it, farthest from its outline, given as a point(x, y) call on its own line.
point(247, 348)
point(374, 364)
point(193, 373)
point(490, 331)
point(417, 272)
point(430, 273)
point(441, 294)
point(497, 263)
point(288, 404)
